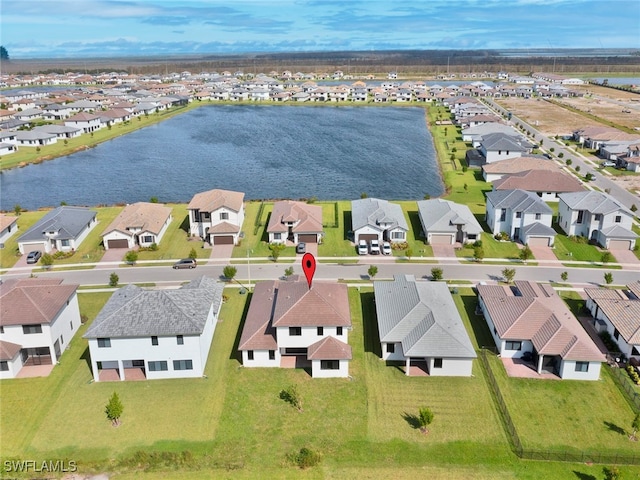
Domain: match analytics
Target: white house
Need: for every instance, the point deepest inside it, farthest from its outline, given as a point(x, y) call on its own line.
point(63, 229)
point(289, 323)
point(446, 222)
point(597, 216)
point(295, 222)
point(419, 324)
point(522, 215)
point(39, 318)
point(8, 227)
point(140, 223)
point(155, 334)
point(374, 219)
point(217, 216)
point(536, 320)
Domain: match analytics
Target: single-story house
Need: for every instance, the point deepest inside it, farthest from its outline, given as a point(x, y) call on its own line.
point(140, 223)
point(39, 317)
point(217, 216)
point(374, 219)
point(154, 334)
point(447, 222)
point(287, 321)
point(532, 318)
point(63, 229)
point(418, 323)
point(295, 222)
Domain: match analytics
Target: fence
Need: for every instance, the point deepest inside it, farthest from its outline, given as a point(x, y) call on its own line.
point(549, 455)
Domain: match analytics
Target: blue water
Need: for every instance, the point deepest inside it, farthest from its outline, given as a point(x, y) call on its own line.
point(268, 152)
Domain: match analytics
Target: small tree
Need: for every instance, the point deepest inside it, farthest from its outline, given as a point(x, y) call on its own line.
point(373, 271)
point(229, 272)
point(605, 257)
point(508, 274)
point(636, 426)
point(526, 253)
point(47, 260)
point(131, 257)
point(408, 253)
point(564, 276)
point(193, 254)
point(425, 417)
point(608, 278)
point(292, 396)
point(114, 409)
point(113, 279)
point(436, 274)
point(288, 271)
point(478, 253)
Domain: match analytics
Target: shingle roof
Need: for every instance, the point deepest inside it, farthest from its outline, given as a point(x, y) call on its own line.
point(307, 218)
point(149, 217)
point(373, 212)
point(518, 200)
point(33, 301)
point(212, 200)
point(593, 201)
point(329, 348)
point(421, 316)
point(134, 312)
point(539, 315)
point(69, 222)
point(440, 215)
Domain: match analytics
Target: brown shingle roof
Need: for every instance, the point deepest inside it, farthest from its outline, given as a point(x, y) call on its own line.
point(150, 217)
point(212, 200)
point(329, 348)
point(33, 301)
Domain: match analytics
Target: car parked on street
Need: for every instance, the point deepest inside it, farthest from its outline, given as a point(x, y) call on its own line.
point(185, 263)
point(363, 248)
point(34, 256)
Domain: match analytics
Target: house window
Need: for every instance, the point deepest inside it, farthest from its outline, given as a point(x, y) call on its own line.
point(272, 354)
point(518, 214)
point(339, 331)
point(277, 236)
point(224, 215)
point(159, 366)
point(437, 363)
point(618, 218)
point(509, 345)
point(180, 339)
point(582, 366)
point(31, 329)
point(4, 366)
point(147, 239)
point(329, 365)
point(104, 343)
point(183, 365)
point(503, 214)
point(538, 216)
point(580, 216)
point(295, 331)
point(250, 354)
point(320, 331)
point(154, 341)
point(391, 348)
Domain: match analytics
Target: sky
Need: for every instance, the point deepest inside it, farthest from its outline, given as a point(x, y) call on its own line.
point(92, 28)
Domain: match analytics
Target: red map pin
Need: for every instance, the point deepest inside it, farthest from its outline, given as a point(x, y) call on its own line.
point(309, 266)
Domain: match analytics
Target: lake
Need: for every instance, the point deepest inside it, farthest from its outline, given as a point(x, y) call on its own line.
point(268, 152)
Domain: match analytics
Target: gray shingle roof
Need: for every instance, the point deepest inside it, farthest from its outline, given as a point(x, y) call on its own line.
point(373, 212)
point(69, 222)
point(422, 316)
point(135, 312)
point(518, 200)
point(443, 216)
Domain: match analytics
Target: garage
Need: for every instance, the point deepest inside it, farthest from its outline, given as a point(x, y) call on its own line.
point(119, 243)
point(538, 241)
point(223, 240)
point(620, 244)
point(441, 239)
point(308, 238)
point(367, 236)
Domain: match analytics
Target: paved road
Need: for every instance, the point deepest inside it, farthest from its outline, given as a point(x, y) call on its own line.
point(601, 180)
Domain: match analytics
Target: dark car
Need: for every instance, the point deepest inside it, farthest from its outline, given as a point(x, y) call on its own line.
point(34, 256)
point(185, 263)
point(301, 247)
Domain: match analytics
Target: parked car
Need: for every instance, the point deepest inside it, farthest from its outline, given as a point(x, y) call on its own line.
point(363, 248)
point(185, 263)
point(386, 248)
point(34, 256)
point(608, 163)
point(301, 247)
point(374, 247)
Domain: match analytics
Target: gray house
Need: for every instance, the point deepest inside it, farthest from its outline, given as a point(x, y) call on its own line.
point(446, 222)
point(63, 229)
point(374, 219)
point(419, 324)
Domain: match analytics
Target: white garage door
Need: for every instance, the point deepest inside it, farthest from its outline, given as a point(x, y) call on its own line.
point(620, 245)
point(442, 239)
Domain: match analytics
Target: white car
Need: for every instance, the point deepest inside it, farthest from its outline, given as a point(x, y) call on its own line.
point(363, 249)
point(386, 248)
point(374, 247)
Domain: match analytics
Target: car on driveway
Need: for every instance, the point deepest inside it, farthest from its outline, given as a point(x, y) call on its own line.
point(374, 247)
point(363, 248)
point(34, 256)
point(301, 247)
point(185, 263)
point(386, 248)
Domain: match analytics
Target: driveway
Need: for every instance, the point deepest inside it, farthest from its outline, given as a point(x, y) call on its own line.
point(445, 253)
point(544, 254)
point(627, 257)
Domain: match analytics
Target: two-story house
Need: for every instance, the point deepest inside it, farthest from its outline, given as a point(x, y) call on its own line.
point(597, 216)
point(522, 215)
point(217, 216)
